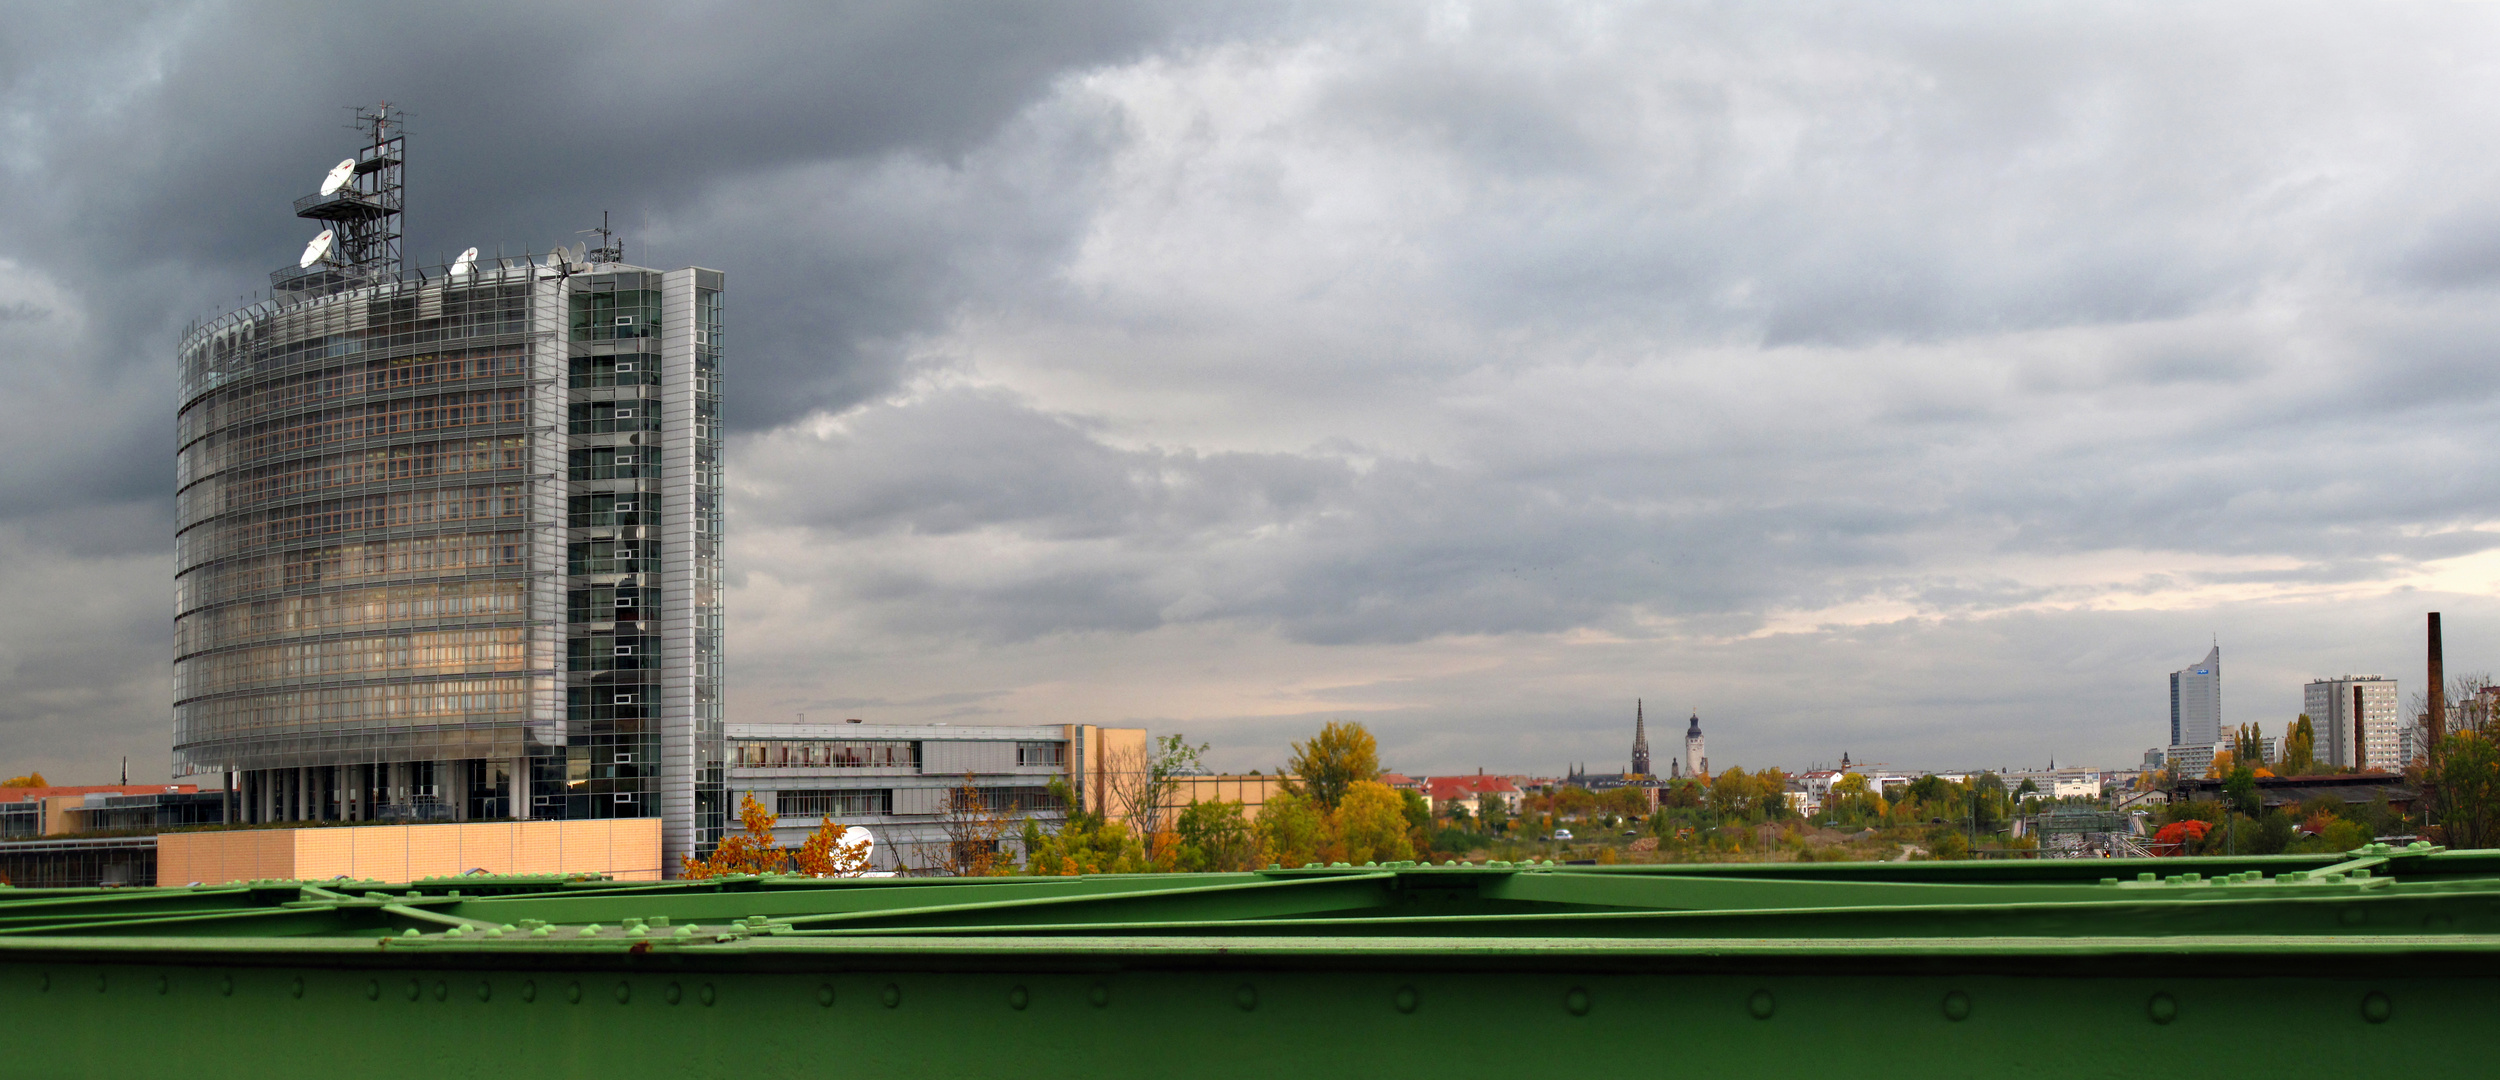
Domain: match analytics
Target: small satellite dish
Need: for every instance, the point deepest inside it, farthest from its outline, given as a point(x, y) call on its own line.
point(858, 834)
point(580, 250)
point(340, 174)
point(313, 252)
point(461, 266)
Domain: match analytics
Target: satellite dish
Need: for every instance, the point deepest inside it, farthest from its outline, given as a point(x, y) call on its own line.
point(339, 175)
point(556, 257)
point(313, 252)
point(461, 266)
point(858, 834)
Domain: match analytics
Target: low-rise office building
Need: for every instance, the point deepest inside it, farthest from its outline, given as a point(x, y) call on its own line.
point(895, 780)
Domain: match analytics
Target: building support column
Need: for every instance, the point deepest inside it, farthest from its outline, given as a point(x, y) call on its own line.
point(520, 789)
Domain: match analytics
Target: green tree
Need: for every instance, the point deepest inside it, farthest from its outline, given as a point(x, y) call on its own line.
point(1372, 825)
point(1215, 837)
point(1334, 760)
point(1085, 843)
point(1292, 832)
point(2239, 790)
point(2467, 771)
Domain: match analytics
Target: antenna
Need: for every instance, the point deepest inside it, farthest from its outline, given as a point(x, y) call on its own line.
point(315, 251)
point(359, 203)
point(610, 249)
point(461, 266)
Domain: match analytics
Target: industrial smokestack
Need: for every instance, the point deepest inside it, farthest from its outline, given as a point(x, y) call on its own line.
point(2438, 722)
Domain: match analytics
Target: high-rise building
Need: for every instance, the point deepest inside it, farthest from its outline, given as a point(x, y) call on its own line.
point(2374, 737)
point(2196, 702)
point(1640, 741)
point(448, 539)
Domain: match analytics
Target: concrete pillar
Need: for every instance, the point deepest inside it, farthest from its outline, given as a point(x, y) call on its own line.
point(460, 789)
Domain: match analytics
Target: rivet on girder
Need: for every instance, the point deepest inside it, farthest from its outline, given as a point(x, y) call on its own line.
point(1404, 999)
point(1100, 995)
point(529, 990)
point(373, 989)
point(1957, 1006)
point(1576, 1001)
point(295, 988)
point(485, 990)
point(415, 989)
point(99, 982)
point(707, 995)
point(624, 992)
point(1247, 996)
point(1761, 1005)
point(573, 993)
point(225, 986)
point(2375, 1007)
point(675, 993)
point(2162, 1008)
point(164, 984)
point(892, 996)
point(1017, 998)
point(442, 990)
point(824, 995)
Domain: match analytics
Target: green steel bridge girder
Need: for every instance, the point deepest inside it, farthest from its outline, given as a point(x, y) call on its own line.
point(2359, 964)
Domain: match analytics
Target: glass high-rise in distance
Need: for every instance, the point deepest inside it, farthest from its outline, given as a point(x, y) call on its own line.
point(449, 540)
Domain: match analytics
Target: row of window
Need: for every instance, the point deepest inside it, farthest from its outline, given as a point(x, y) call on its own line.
point(620, 314)
point(605, 509)
point(612, 557)
point(373, 465)
point(359, 513)
point(313, 612)
point(358, 380)
point(609, 417)
point(424, 652)
point(310, 333)
point(612, 701)
point(833, 804)
point(608, 603)
point(613, 463)
point(612, 652)
point(629, 369)
point(356, 704)
point(1054, 754)
point(825, 753)
point(434, 412)
point(345, 563)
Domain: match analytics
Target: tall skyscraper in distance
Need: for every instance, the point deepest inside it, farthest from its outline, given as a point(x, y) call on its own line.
point(2196, 702)
point(1640, 741)
point(448, 539)
point(2375, 737)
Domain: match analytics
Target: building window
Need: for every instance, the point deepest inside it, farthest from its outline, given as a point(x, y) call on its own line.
point(1052, 754)
point(833, 804)
point(824, 754)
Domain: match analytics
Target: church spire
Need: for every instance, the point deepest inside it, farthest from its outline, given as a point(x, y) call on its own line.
point(1640, 740)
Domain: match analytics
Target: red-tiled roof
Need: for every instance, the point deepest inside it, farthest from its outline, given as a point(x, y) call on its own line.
point(1459, 787)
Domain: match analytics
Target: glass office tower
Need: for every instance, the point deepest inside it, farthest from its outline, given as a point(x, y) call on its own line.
point(448, 540)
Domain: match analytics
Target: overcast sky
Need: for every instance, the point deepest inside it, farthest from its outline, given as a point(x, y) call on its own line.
point(1920, 382)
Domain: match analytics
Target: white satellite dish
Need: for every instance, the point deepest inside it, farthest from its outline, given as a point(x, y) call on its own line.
point(461, 266)
point(556, 257)
point(340, 174)
point(858, 834)
point(313, 252)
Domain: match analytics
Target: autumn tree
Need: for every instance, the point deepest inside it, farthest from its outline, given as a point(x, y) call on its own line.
point(1371, 824)
point(1333, 760)
point(2468, 789)
point(1292, 832)
point(752, 851)
point(973, 825)
point(32, 779)
point(2300, 747)
point(1140, 782)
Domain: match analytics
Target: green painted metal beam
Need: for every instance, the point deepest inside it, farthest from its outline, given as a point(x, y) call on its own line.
point(2370, 963)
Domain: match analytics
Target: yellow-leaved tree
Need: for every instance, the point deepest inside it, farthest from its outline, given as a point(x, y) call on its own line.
point(752, 851)
point(1371, 824)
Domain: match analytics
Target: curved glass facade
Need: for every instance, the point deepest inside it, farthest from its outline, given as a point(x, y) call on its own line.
point(448, 549)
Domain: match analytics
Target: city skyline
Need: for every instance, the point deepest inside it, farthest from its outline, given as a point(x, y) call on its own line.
point(1919, 383)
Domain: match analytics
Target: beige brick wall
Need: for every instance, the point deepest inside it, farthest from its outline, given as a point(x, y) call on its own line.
point(625, 848)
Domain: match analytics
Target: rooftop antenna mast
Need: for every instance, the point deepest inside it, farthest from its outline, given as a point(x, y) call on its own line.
point(610, 249)
point(361, 201)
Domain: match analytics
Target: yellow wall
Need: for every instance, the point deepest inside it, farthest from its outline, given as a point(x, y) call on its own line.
point(1250, 791)
point(627, 849)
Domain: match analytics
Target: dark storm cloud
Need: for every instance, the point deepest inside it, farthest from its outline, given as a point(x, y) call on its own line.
point(1460, 365)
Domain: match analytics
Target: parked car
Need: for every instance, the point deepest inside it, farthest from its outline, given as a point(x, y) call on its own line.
point(1561, 834)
